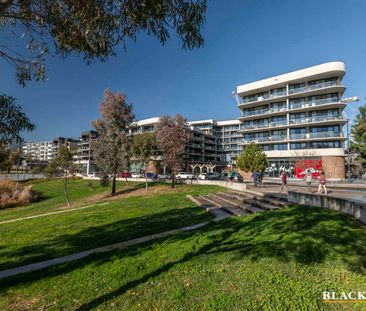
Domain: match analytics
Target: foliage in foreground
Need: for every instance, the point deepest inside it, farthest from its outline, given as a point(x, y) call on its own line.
point(13, 120)
point(91, 29)
point(279, 260)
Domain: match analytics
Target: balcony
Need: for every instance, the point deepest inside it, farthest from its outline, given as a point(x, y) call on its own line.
point(298, 136)
point(313, 87)
point(316, 119)
point(266, 98)
point(325, 134)
point(262, 112)
point(313, 103)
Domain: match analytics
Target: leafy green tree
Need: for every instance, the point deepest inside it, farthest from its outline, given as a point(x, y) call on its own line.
point(91, 29)
point(63, 167)
point(111, 149)
point(12, 121)
point(359, 135)
point(253, 158)
point(144, 147)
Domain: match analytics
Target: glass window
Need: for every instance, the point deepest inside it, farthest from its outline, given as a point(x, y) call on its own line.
point(280, 147)
point(294, 146)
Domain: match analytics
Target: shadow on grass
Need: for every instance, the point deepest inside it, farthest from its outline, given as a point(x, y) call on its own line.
point(102, 235)
point(300, 234)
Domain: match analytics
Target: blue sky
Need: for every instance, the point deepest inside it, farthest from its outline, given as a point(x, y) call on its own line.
point(244, 41)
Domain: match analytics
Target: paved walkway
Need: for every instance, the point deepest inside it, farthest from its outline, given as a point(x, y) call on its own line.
point(51, 213)
point(48, 263)
point(350, 194)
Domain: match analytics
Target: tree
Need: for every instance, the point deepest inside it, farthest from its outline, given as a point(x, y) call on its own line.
point(111, 149)
point(253, 158)
point(91, 29)
point(144, 147)
point(62, 166)
point(9, 158)
point(359, 135)
point(12, 121)
point(173, 135)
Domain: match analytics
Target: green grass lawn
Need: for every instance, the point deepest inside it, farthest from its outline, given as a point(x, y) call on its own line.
point(123, 218)
point(52, 196)
point(279, 260)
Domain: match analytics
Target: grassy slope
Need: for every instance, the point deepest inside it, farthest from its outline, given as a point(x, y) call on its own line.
point(279, 260)
point(126, 218)
point(52, 197)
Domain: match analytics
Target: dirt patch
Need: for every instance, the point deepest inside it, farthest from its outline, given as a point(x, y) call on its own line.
point(24, 304)
point(125, 192)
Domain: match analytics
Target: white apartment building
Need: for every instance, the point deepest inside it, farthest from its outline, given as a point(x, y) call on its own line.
point(297, 117)
point(40, 151)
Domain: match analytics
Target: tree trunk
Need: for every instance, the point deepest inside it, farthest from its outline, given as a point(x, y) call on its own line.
point(173, 180)
point(114, 184)
point(146, 183)
point(66, 194)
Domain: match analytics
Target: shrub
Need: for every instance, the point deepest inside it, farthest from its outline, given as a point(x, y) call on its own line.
point(14, 193)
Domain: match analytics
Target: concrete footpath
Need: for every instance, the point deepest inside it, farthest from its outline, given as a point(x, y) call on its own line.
point(357, 195)
point(55, 261)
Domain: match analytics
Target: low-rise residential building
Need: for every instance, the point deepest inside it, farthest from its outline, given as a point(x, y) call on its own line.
point(40, 151)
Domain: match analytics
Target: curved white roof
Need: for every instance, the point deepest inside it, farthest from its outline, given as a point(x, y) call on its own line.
point(319, 71)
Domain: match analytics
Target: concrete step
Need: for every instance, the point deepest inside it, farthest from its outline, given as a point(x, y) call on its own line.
point(244, 204)
point(217, 212)
point(258, 202)
point(251, 209)
point(230, 208)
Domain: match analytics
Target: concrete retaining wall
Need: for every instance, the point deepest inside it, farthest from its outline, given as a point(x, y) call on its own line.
point(230, 185)
point(353, 208)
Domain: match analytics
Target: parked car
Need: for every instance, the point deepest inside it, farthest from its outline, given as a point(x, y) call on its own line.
point(213, 176)
point(136, 175)
point(125, 175)
point(163, 176)
point(202, 176)
point(151, 175)
point(184, 175)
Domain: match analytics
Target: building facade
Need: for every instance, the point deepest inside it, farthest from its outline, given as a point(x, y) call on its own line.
point(83, 158)
point(298, 119)
point(39, 151)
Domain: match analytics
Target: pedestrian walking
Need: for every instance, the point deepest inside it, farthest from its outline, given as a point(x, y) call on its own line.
point(322, 182)
point(308, 178)
point(255, 177)
point(259, 179)
point(284, 181)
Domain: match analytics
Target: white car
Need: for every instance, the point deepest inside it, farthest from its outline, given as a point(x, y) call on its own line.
point(184, 175)
point(202, 176)
point(136, 175)
point(163, 176)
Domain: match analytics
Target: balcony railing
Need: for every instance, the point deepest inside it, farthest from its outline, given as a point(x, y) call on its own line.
point(264, 125)
point(306, 104)
point(316, 119)
point(263, 111)
point(298, 136)
point(325, 134)
point(313, 87)
point(284, 93)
